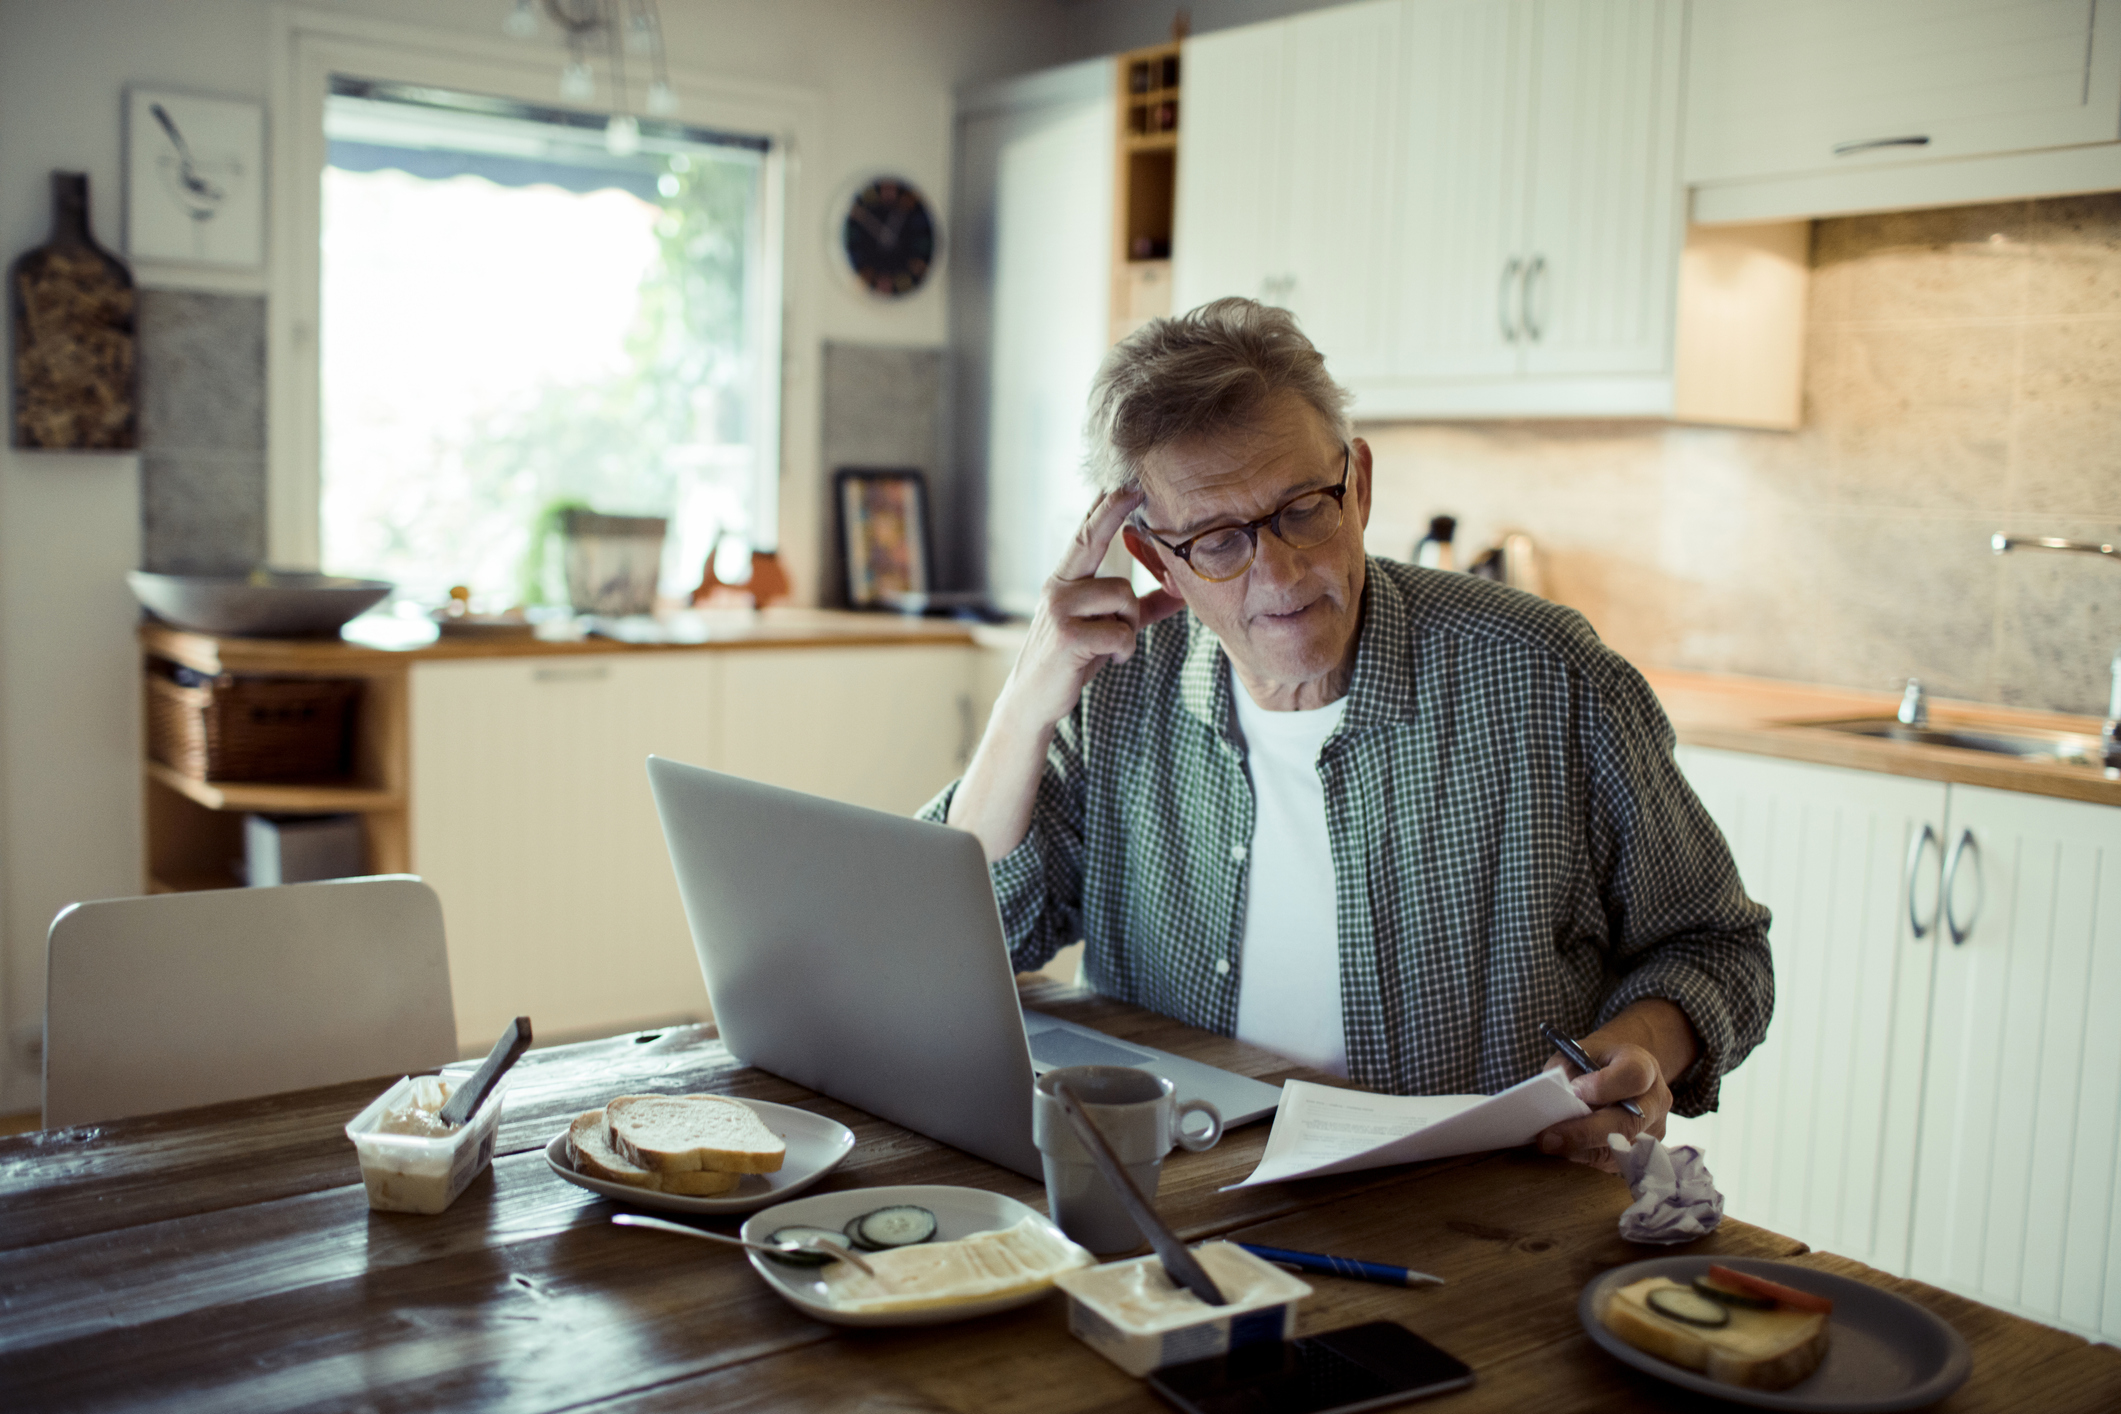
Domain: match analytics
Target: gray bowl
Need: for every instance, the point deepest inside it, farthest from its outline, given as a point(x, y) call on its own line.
point(266, 604)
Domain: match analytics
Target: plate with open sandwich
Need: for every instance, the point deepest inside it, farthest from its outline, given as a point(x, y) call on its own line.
point(1774, 1335)
point(701, 1154)
point(938, 1253)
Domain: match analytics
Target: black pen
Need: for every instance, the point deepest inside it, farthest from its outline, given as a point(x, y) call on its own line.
point(1573, 1054)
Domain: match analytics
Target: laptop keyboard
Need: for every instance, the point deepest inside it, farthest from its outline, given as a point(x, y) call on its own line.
point(1056, 1047)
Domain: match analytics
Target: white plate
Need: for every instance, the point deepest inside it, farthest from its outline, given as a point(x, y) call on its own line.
point(1884, 1352)
point(959, 1212)
point(815, 1147)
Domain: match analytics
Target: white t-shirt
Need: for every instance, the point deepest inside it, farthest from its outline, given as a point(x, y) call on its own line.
point(1288, 995)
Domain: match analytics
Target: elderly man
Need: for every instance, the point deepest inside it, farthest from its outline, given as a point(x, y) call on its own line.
point(1382, 820)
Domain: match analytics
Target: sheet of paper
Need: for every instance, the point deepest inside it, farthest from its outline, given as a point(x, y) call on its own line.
point(1319, 1130)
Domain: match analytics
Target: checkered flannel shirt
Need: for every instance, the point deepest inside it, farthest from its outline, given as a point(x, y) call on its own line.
point(1512, 844)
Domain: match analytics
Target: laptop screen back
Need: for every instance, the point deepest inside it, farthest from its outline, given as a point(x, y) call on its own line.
point(856, 953)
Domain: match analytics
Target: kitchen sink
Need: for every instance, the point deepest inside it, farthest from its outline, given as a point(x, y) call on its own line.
point(2026, 744)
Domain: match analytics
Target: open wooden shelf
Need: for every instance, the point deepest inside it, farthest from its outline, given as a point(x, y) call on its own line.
point(289, 799)
point(1145, 173)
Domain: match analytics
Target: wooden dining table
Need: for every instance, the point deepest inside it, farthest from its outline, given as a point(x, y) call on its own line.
point(226, 1259)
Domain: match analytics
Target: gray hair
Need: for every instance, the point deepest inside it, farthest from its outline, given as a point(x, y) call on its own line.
point(1208, 371)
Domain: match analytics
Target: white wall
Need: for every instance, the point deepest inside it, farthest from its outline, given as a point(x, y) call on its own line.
point(884, 72)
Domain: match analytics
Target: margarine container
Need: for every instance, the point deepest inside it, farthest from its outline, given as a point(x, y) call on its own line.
point(408, 1173)
point(1134, 1315)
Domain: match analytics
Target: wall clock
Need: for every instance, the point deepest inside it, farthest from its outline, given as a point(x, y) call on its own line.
point(888, 237)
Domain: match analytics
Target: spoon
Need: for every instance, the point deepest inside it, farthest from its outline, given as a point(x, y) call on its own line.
point(771, 1249)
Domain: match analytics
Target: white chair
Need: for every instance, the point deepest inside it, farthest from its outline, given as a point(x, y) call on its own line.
point(175, 1000)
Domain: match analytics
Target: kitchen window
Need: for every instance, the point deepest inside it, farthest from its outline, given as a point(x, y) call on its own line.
point(522, 308)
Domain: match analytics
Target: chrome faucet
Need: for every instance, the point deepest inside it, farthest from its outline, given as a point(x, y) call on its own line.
point(2110, 735)
point(1914, 706)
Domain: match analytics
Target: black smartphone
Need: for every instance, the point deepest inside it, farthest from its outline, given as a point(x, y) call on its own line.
point(1363, 1367)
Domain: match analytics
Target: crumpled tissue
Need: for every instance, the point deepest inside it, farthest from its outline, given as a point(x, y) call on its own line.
point(1675, 1195)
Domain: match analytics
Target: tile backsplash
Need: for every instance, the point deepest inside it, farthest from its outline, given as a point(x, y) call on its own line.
point(202, 432)
point(1963, 376)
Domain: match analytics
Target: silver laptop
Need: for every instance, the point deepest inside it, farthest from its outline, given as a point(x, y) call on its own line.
point(860, 955)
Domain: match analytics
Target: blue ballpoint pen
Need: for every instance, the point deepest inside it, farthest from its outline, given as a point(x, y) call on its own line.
point(1322, 1265)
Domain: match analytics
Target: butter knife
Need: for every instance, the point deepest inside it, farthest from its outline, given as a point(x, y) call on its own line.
point(1183, 1266)
point(472, 1093)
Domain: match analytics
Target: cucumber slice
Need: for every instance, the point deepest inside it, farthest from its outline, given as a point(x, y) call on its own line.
point(1745, 1301)
point(902, 1225)
point(810, 1257)
point(1683, 1303)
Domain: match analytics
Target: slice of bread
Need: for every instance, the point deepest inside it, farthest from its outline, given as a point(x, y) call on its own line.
point(589, 1141)
point(1758, 1349)
point(670, 1134)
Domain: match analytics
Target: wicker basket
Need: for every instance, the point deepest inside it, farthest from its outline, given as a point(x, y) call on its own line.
point(232, 728)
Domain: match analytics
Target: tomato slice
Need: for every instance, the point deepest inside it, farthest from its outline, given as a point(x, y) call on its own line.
point(1775, 1291)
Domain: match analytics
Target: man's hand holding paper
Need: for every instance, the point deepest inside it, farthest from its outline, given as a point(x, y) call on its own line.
point(1319, 1129)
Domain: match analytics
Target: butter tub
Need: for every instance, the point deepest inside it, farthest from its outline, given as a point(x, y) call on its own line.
point(1134, 1315)
point(407, 1173)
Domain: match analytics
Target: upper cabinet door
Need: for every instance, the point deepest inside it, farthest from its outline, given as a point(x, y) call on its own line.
point(1787, 88)
point(1340, 184)
point(1464, 118)
point(1606, 215)
point(1229, 235)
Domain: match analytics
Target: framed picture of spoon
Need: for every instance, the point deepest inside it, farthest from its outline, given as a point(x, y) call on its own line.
point(194, 179)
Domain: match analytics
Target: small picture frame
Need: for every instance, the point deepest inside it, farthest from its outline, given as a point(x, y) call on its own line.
point(194, 179)
point(884, 547)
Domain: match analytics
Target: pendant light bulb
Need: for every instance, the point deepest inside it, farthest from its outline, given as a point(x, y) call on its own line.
point(576, 82)
point(622, 135)
point(522, 21)
point(662, 99)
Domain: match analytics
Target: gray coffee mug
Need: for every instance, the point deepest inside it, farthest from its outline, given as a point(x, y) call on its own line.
point(1139, 1117)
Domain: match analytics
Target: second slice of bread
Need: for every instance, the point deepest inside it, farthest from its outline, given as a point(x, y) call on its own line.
point(675, 1134)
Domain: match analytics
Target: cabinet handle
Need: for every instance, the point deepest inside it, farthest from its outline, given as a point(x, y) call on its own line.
point(965, 738)
point(1510, 268)
point(1923, 841)
point(1951, 874)
point(1843, 149)
point(1534, 279)
point(595, 673)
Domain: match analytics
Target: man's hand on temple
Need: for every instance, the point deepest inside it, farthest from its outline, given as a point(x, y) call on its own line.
point(1083, 622)
point(1635, 1052)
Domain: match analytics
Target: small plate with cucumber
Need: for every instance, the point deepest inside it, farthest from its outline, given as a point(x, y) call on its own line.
point(1881, 1351)
point(883, 1219)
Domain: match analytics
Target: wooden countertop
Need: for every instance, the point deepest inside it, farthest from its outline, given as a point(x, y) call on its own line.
point(722, 629)
point(1769, 717)
point(226, 1257)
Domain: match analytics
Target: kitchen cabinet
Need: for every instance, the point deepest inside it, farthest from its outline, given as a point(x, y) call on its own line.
point(510, 775)
point(1817, 1128)
point(1939, 1093)
point(1822, 108)
point(1474, 207)
point(881, 727)
point(2015, 1194)
point(533, 820)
